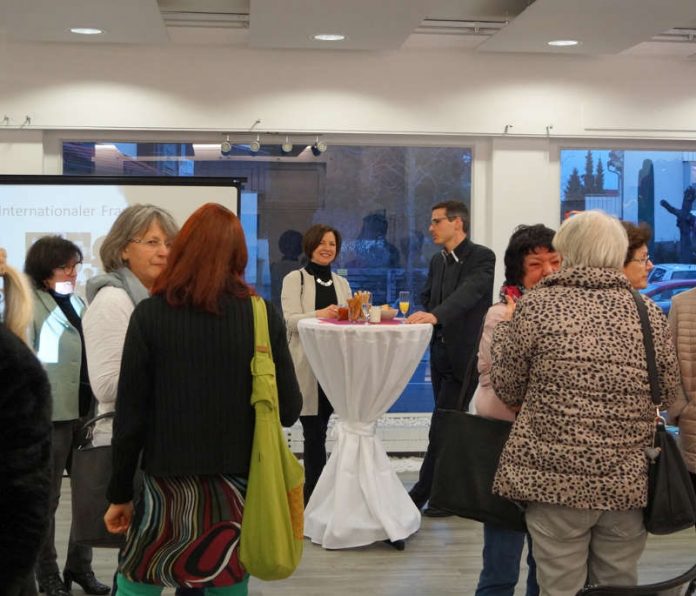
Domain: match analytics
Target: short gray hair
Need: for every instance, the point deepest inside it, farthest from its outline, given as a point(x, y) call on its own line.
point(592, 239)
point(130, 223)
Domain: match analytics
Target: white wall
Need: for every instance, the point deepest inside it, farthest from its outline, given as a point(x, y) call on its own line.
point(421, 97)
point(406, 92)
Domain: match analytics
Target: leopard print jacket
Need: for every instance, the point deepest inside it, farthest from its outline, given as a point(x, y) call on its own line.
point(573, 358)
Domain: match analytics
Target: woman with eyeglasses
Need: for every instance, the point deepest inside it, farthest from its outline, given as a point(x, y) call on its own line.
point(637, 264)
point(56, 335)
point(133, 254)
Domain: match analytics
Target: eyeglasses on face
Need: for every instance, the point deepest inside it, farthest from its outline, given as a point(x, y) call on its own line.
point(69, 269)
point(436, 220)
point(644, 261)
point(152, 244)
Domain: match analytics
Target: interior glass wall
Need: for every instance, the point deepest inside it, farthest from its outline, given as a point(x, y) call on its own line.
point(379, 198)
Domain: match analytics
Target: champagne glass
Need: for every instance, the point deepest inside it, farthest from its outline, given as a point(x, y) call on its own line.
point(366, 304)
point(404, 302)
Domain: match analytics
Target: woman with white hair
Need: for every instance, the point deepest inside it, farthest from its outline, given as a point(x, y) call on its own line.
point(572, 358)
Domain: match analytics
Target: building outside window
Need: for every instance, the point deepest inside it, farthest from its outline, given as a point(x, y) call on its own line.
point(655, 187)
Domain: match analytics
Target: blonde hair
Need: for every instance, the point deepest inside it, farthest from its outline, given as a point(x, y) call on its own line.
point(592, 239)
point(18, 299)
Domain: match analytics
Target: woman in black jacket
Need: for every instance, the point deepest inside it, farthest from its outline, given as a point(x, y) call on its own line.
point(183, 403)
point(25, 441)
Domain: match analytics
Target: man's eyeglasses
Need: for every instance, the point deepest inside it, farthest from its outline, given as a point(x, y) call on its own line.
point(152, 244)
point(69, 269)
point(436, 220)
point(644, 261)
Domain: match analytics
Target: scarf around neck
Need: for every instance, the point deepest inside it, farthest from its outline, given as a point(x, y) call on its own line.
point(122, 278)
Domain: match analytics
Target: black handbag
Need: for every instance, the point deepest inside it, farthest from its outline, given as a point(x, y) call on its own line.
point(671, 499)
point(467, 450)
point(90, 475)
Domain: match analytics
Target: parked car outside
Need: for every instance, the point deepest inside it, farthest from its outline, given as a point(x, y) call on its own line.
point(671, 271)
point(663, 291)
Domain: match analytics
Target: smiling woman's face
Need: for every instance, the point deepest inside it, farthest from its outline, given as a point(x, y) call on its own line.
point(638, 268)
point(325, 253)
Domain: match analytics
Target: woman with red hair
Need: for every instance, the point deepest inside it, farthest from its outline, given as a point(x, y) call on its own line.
point(183, 405)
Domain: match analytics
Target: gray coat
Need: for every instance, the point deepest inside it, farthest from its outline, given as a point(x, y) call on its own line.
point(59, 348)
point(298, 300)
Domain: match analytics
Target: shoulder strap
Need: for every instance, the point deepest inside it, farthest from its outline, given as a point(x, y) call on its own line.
point(649, 347)
point(262, 341)
point(468, 390)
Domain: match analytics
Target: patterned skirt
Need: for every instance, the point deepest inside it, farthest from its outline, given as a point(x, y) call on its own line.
point(185, 532)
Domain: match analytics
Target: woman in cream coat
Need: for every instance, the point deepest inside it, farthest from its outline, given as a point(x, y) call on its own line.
point(313, 291)
point(682, 320)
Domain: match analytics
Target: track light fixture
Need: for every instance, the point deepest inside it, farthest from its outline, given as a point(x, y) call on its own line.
point(255, 146)
point(286, 147)
point(318, 148)
point(226, 146)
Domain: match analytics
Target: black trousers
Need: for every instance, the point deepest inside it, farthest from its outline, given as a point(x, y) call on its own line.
point(67, 435)
point(446, 390)
point(314, 431)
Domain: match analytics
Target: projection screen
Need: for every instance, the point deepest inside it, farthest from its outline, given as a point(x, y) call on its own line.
point(82, 209)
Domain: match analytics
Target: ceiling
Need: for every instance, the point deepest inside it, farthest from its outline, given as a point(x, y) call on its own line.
point(603, 27)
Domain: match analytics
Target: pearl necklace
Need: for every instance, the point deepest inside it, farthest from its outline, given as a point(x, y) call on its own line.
point(326, 284)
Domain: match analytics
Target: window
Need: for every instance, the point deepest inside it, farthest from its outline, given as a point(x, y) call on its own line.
point(379, 198)
point(656, 187)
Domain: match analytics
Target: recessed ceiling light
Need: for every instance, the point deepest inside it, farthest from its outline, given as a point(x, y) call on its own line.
point(86, 31)
point(329, 37)
point(563, 42)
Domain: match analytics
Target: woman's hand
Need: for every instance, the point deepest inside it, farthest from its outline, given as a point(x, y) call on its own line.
point(118, 517)
point(330, 312)
point(510, 305)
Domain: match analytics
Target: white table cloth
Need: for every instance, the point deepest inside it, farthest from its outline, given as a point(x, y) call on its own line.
point(363, 369)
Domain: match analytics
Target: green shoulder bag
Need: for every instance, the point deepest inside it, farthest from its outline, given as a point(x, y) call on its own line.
point(272, 533)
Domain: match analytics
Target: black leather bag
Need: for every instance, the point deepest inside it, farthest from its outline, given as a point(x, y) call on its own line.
point(467, 453)
point(90, 474)
point(671, 499)
point(467, 450)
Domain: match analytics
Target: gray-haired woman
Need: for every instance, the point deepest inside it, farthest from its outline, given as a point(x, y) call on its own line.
point(133, 254)
point(572, 358)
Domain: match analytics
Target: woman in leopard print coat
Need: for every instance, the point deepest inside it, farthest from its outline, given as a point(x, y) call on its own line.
point(573, 358)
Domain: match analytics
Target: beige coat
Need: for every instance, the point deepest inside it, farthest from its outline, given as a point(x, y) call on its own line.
point(682, 320)
point(297, 298)
point(573, 358)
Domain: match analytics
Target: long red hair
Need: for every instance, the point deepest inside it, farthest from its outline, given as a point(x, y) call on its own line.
point(207, 261)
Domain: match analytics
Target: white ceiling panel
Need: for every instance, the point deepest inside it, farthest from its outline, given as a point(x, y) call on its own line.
point(367, 24)
point(601, 26)
point(123, 21)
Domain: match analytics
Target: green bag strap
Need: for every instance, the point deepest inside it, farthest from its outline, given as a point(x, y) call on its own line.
point(262, 341)
point(264, 388)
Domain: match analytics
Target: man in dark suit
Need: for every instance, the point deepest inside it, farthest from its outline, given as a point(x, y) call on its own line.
point(457, 295)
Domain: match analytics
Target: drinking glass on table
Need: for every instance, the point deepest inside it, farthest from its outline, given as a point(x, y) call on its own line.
point(366, 304)
point(404, 302)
